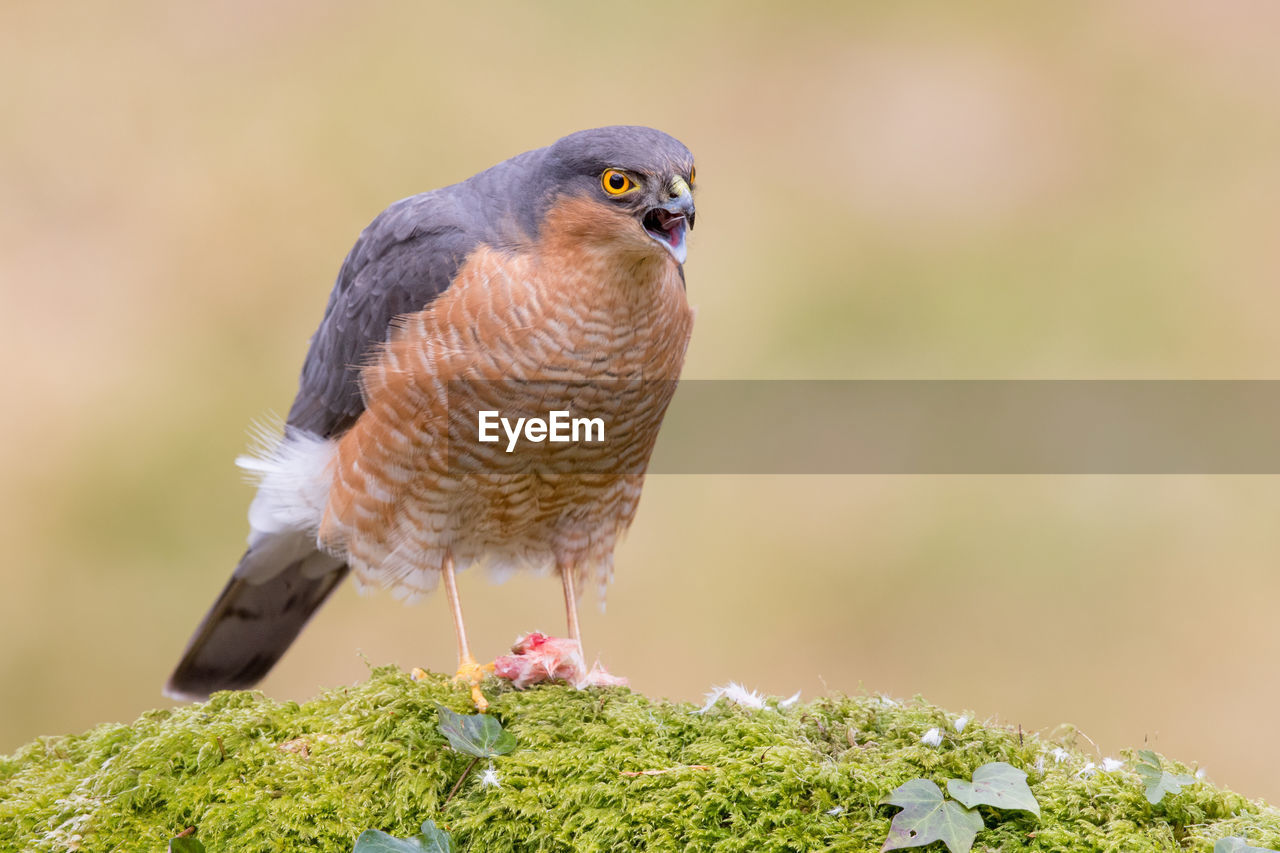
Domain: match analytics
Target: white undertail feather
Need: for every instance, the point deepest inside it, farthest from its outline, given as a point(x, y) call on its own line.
point(293, 474)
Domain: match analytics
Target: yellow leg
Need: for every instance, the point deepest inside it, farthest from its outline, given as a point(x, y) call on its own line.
point(469, 671)
point(571, 605)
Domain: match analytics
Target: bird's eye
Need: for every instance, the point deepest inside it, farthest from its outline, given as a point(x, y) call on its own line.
point(693, 176)
point(616, 182)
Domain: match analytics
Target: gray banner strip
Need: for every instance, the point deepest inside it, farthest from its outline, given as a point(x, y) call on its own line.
point(971, 427)
point(866, 427)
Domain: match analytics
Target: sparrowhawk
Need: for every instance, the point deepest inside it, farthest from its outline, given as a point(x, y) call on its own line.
point(559, 270)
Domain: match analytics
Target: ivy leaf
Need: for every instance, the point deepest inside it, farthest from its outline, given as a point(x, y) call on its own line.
point(430, 840)
point(375, 841)
point(926, 817)
point(1159, 781)
point(475, 734)
point(1235, 844)
point(187, 844)
point(996, 784)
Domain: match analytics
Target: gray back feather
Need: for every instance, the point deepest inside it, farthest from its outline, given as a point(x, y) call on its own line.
point(402, 261)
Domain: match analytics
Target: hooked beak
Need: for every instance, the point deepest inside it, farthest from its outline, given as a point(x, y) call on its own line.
point(668, 223)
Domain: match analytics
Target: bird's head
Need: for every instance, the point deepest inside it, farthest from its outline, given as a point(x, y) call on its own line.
point(634, 186)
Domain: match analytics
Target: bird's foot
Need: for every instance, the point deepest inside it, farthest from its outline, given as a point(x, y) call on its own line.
point(472, 674)
point(469, 673)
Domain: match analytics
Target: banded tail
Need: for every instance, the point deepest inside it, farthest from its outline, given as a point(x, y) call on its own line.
point(251, 625)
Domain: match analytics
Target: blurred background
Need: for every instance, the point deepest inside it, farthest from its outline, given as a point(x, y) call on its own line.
point(926, 190)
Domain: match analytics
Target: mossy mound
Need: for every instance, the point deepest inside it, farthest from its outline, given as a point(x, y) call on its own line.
point(251, 774)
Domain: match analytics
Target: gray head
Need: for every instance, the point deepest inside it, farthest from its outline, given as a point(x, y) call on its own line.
point(636, 170)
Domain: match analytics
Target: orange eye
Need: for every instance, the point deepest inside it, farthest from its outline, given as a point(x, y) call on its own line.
point(616, 182)
point(693, 176)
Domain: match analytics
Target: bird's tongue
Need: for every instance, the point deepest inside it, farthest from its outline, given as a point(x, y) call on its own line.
point(668, 229)
point(675, 231)
point(672, 225)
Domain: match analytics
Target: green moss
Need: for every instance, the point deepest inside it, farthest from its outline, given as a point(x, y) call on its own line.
point(256, 775)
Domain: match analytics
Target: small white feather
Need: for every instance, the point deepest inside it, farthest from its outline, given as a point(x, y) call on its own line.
point(293, 474)
point(740, 695)
point(736, 694)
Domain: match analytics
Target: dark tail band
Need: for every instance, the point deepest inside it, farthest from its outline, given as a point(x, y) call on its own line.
point(248, 629)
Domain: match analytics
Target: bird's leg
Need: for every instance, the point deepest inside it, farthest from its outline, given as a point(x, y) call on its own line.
point(469, 671)
point(571, 606)
point(596, 676)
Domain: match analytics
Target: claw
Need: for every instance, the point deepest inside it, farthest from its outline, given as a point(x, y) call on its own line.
point(472, 674)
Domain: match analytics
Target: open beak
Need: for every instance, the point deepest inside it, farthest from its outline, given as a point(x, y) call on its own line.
point(668, 223)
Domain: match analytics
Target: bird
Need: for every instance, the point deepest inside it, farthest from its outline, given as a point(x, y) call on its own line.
point(551, 282)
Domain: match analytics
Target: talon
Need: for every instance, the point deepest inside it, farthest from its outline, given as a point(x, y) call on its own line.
point(472, 674)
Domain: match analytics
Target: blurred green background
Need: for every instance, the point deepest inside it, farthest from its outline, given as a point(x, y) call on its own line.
point(924, 190)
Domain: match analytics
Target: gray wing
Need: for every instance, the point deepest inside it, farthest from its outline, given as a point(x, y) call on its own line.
point(405, 258)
